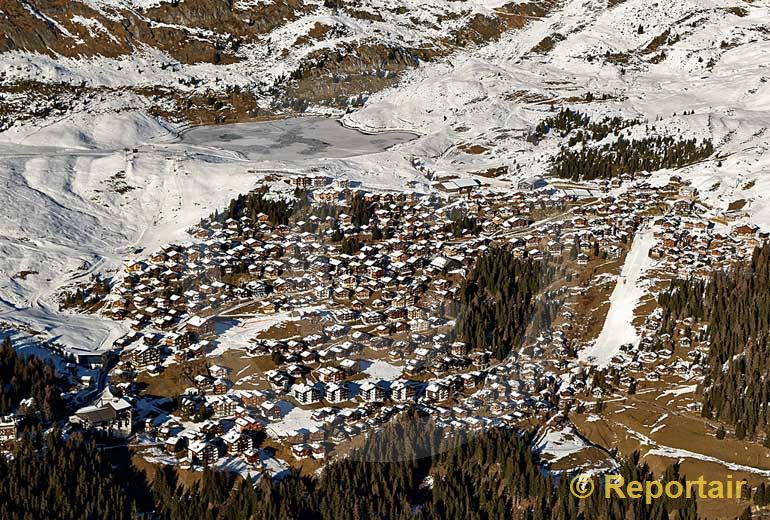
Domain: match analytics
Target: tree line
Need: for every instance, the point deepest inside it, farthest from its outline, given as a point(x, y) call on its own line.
point(621, 156)
point(278, 209)
point(567, 120)
point(628, 156)
point(735, 306)
point(411, 469)
point(461, 223)
point(49, 476)
point(30, 377)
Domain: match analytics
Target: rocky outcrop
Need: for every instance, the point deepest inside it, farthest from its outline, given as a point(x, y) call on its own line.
point(191, 31)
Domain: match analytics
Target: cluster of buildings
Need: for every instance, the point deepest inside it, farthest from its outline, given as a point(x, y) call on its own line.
point(378, 284)
point(692, 246)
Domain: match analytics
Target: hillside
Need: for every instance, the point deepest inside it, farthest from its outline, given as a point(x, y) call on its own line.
point(474, 99)
point(224, 60)
point(687, 69)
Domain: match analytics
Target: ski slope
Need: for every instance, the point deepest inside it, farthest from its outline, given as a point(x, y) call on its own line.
point(618, 327)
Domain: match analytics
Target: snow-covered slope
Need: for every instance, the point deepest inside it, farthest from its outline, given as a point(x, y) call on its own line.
point(69, 211)
point(471, 73)
point(637, 59)
point(262, 55)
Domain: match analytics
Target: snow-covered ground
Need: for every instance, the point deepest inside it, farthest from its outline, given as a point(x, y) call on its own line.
point(78, 206)
point(235, 334)
point(715, 65)
point(555, 444)
point(295, 419)
point(618, 328)
point(380, 370)
point(680, 390)
point(264, 57)
point(679, 454)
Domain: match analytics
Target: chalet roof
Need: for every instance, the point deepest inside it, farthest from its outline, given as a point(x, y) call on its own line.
point(197, 321)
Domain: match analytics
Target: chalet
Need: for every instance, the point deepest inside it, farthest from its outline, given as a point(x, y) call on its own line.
point(437, 391)
point(363, 293)
point(296, 436)
point(157, 258)
point(211, 429)
point(330, 375)
point(470, 380)
point(532, 183)
point(535, 254)
point(145, 356)
point(247, 423)
point(683, 205)
point(200, 327)
point(278, 380)
point(372, 392)
point(403, 391)
point(283, 286)
point(336, 393)
point(305, 394)
point(9, 429)
point(267, 307)
point(414, 313)
point(323, 292)
point(296, 371)
point(423, 354)
point(271, 411)
point(746, 230)
point(204, 384)
point(202, 452)
point(301, 451)
point(174, 444)
point(346, 314)
point(219, 371)
point(237, 442)
point(554, 248)
point(316, 434)
point(318, 450)
point(327, 196)
point(176, 340)
point(302, 182)
point(372, 318)
point(135, 267)
point(520, 223)
point(458, 348)
point(221, 386)
point(224, 406)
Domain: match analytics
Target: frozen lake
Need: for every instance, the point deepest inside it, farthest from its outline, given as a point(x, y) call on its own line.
point(291, 139)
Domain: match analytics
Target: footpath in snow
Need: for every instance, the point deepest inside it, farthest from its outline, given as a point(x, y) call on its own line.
point(618, 327)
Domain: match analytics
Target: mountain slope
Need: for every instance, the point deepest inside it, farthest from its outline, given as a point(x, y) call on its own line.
point(217, 60)
point(701, 57)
